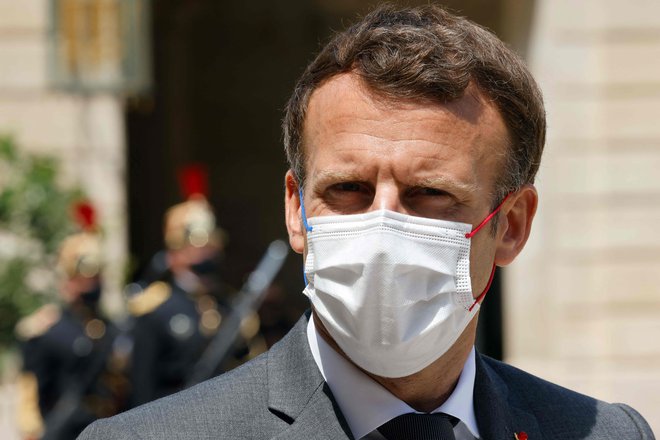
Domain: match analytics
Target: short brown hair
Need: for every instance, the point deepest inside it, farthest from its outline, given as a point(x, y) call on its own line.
point(427, 53)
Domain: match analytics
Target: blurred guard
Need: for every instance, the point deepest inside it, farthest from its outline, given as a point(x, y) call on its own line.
point(65, 347)
point(176, 316)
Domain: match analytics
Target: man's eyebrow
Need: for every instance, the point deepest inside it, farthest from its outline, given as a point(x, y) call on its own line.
point(338, 176)
point(441, 182)
point(445, 182)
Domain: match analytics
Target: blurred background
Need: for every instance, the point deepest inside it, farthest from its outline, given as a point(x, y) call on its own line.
point(110, 98)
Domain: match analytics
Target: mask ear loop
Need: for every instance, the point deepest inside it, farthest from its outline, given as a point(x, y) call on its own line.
point(485, 221)
point(304, 215)
point(470, 235)
point(307, 226)
point(483, 294)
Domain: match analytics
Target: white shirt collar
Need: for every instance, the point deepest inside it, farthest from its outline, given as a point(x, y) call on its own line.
point(366, 404)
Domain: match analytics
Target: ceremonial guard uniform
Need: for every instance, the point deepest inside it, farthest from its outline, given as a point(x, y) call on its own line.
point(176, 316)
point(73, 367)
point(172, 327)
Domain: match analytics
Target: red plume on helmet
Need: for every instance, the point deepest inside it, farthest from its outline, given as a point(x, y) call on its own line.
point(191, 222)
point(193, 180)
point(80, 253)
point(85, 215)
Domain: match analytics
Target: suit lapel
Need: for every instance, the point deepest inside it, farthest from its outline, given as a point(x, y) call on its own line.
point(321, 419)
point(300, 396)
point(298, 393)
point(497, 418)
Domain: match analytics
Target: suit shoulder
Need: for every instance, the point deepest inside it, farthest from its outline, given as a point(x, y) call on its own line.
point(527, 384)
point(109, 429)
point(245, 385)
point(637, 420)
point(236, 398)
point(149, 299)
point(559, 408)
point(524, 385)
point(248, 381)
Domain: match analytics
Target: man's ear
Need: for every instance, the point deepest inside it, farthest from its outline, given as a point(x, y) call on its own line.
point(515, 224)
point(293, 214)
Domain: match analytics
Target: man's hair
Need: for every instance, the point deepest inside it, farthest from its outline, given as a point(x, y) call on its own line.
point(425, 53)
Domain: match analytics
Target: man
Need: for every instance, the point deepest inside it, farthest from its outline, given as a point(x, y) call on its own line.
point(175, 316)
point(73, 362)
point(413, 138)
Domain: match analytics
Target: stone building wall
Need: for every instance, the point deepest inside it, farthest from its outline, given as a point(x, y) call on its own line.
point(86, 133)
point(583, 300)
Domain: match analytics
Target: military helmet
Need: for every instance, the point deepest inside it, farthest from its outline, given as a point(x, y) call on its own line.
point(190, 223)
point(80, 254)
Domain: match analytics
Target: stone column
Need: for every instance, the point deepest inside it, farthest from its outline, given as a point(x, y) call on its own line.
point(583, 300)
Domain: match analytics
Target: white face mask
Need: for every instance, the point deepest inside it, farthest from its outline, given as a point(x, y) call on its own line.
point(393, 290)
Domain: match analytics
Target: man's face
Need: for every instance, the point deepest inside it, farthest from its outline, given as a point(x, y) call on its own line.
point(183, 259)
point(72, 288)
point(364, 153)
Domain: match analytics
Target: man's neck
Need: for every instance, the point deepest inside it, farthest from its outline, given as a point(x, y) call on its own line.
point(81, 311)
point(427, 389)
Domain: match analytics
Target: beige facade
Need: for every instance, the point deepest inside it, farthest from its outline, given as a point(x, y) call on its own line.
point(583, 301)
point(85, 133)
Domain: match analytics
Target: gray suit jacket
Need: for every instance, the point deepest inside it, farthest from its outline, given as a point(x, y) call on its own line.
point(282, 395)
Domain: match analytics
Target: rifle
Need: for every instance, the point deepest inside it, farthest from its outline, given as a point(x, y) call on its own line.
point(248, 300)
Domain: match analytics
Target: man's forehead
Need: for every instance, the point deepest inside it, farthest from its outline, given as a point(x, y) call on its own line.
point(335, 94)
point(338, 103)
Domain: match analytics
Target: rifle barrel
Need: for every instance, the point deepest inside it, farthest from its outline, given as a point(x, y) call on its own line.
point(249, 299)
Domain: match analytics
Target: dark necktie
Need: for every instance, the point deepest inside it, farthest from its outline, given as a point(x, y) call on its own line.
point(419, 427)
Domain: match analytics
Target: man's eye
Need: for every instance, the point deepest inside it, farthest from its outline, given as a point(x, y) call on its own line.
point(431, 192)
point(432, 203)
point(347, 197)
point(347, 186)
